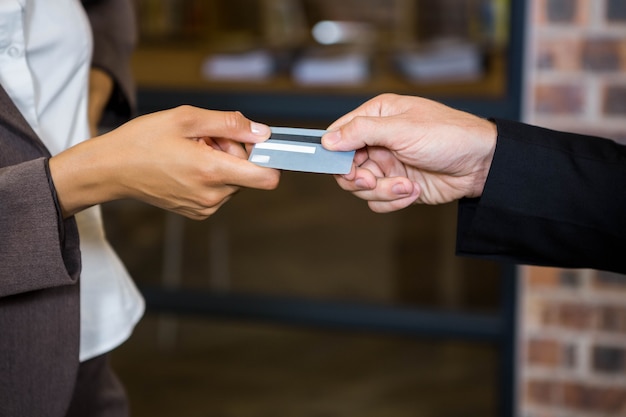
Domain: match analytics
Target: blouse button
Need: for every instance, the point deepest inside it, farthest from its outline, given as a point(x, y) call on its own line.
point(14, 52)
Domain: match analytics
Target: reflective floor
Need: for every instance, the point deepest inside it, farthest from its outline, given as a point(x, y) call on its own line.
point(305, 239)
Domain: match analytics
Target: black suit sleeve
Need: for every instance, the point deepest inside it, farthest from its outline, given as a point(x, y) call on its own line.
point(551, 198)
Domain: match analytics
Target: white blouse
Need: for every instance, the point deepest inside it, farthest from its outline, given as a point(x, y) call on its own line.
point(45, 55)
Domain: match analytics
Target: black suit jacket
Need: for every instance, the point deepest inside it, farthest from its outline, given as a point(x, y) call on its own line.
point(39, 251)
point(551, 198)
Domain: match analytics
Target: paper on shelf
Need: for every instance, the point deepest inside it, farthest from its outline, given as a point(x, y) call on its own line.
point(253, 65)
point(442, 63)
point(341, 69)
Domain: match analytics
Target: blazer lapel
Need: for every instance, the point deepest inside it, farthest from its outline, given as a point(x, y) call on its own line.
point(14, 127)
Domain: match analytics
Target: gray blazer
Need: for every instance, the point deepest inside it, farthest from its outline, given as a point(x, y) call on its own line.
point(39, 251)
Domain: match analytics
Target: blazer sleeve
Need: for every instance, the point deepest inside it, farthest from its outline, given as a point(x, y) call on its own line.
point(551, 198)
point(38, 248)
point(114, 28)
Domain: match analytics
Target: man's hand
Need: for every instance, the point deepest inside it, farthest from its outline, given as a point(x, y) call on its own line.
point(412, 150)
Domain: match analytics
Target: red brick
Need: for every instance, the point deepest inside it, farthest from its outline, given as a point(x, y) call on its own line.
point(543, 392)
point(583, 397)
point(545, 352)
point(559, 54)
point(603, 54)
point(567, 315)
point(612, 319)
point(559, 99)
point(550, 353)
point(610, 281)
point(550, 314)
point(576, 316)
point(542, 277)
point(615, 100)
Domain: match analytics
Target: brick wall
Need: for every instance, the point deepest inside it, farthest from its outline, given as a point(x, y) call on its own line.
point(572, 329)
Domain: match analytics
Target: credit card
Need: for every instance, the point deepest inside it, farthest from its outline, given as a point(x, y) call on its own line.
point(297, 149)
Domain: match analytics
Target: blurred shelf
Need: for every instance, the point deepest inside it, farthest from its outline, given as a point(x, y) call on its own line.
point(170, 68)
point(167, 77)
point(178, 36)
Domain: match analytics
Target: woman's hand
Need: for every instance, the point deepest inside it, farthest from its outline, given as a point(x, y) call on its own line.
point(187, 160)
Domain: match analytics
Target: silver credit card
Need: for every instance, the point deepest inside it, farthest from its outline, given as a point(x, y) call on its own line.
point(297, 149)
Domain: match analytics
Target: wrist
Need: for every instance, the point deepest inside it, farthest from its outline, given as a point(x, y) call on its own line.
point(487, 136)
point(82, 177)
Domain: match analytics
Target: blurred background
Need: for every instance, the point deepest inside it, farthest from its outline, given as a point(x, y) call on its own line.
point(300, 301)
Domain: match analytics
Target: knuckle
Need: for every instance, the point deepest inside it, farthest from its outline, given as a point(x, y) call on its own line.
point(233, 120)
point(196, 216)
point(183, 114)
point(272, 181)
point(388, 98)
point(206, 213)
point(359, 124)
point(183, 109)
point(212, 200)
point(207, 201)
point(267, 181)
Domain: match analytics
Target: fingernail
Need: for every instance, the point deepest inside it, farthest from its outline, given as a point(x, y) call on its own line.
point(332, 138)
point(360, 183)
point(399, 189)
point(259, 128)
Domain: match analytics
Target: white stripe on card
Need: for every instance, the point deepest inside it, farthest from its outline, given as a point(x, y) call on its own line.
point(285, 147)
point(260, 159)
